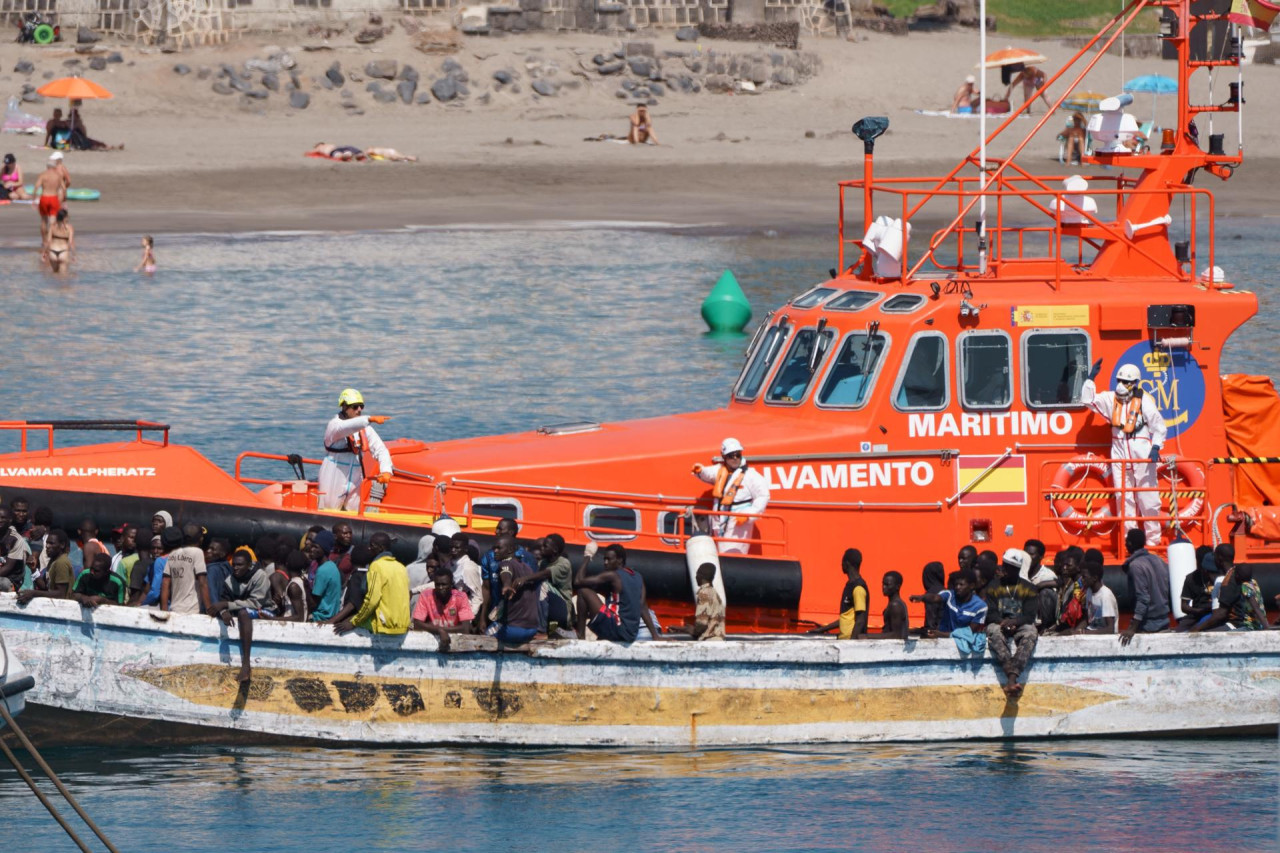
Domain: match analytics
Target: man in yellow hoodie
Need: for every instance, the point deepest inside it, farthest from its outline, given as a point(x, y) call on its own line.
point(386, 603)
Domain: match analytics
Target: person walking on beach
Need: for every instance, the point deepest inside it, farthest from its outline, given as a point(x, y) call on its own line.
point(739, 491)
point(347, 438)
point(50, 192)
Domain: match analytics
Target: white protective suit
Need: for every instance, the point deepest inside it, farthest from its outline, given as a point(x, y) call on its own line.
point(751, 498)
point(1150, 431)
point(342, 471)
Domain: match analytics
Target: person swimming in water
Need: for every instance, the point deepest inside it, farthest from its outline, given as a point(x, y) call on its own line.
point(62, 242)
point(148, 262)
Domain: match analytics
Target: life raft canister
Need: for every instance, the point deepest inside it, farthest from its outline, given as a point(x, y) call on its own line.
point(1079, 507)
point(1190, 485)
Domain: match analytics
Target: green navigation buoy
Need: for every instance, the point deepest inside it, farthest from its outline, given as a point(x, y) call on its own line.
point(726, 308)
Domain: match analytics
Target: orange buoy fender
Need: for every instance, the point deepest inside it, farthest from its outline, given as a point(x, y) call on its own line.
point(1076, 481)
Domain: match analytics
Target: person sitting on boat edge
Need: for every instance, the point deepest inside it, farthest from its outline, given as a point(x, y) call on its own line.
point(14, 547)
point(613, 601)
point(896, 624)
point(291, 604)
point(854, 600)
point(466, 571)
point(491, 582)
point(326, 584)
point(1011, 600)
point(348, 436)
point(739, 491)
point(385, 609)
point(1241, 606)
point(1071, 593)
point(1045, 580)
point(1202, 587)
point(60, 577)
point(355, 587)
point(99, 585)
point(444, 609)
point(554, 582)
point(1148, 588)
point(182, 586)
point(247, 597)
point(964, 614)
point(217, 567)
point(515, 617)
point(1103, 613)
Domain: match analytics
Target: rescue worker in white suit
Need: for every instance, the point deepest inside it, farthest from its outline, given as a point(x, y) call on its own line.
point(1137, 432)
point(738, 491)
point(346, 439)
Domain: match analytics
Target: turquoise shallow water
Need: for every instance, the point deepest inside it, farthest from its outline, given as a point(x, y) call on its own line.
point(244, 342)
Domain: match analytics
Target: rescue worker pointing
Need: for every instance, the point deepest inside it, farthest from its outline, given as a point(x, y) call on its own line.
point(1137, 432)
point(346, 439)
point(738, 491)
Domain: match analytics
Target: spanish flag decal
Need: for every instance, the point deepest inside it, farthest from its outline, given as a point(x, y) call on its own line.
point(1002, 485)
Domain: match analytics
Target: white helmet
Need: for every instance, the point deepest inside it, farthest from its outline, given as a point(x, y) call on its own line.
point(730, 445)
point(1126, 377)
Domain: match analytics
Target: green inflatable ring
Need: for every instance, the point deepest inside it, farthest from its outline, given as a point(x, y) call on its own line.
point(43, 34)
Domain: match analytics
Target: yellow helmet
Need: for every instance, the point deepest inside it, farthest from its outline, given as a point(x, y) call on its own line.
point(350, 397)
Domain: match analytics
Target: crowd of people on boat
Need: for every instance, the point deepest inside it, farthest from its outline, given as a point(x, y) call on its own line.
point(1005, 603)
point(520, 591)
point(515, 591)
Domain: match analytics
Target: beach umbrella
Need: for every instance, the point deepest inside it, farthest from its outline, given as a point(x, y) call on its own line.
point(1084, 101)
point(1154, 84)
point(74, 88)
point(1013, 56)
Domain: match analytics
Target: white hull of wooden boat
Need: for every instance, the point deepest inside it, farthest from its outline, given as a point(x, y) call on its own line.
point(309, 683)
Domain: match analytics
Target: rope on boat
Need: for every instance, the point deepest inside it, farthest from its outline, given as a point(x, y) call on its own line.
point(53, 777)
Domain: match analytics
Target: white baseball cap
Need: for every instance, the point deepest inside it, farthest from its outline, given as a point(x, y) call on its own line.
point(55, 156)
point(1017, 557)
point(730, 445)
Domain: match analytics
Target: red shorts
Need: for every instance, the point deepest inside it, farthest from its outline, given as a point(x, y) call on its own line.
point(49, 206)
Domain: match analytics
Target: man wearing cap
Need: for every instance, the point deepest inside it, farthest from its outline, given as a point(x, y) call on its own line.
point(1137, 432)
point(1011, 618)
point(346, 439)
point(50, 192)
point(739, 491)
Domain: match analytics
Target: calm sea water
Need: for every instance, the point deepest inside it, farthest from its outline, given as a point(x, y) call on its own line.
point(243, 342)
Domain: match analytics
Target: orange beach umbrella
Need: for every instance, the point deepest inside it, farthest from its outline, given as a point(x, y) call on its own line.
point(1013, 56)
point(75, 88)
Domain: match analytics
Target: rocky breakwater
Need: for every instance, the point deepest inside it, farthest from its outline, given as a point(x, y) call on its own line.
point(634, 71)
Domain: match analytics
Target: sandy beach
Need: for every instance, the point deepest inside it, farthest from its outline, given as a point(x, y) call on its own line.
point(195, 160)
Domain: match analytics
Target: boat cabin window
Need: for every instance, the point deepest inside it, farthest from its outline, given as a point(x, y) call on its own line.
point(670, 527)
point(853, 372)
point(922, 382)
point(1054, 367)
point(625, 520)
point(791, 384)
point(902, 303)
point(766, 354)
point(853, 300)
point(496, 508)
point(986, 370)
point(812, 297)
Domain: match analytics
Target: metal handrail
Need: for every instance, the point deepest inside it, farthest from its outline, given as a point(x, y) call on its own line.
point(90, 425)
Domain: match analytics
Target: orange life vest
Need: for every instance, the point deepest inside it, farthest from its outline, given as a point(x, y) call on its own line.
point(1127, 415)
point(727, 485)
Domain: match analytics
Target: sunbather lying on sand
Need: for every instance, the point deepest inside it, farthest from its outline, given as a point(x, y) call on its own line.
point(350, 152)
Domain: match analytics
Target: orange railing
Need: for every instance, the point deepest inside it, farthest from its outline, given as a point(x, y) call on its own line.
point(1009, 243)
point(48, 428)
point(1101, 521)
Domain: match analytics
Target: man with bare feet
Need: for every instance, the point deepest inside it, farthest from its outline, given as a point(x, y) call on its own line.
point(1011, 605)
point(50, 192)
point(246, 596)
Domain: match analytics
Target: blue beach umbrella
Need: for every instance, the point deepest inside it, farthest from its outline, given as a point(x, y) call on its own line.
point(1153, 84)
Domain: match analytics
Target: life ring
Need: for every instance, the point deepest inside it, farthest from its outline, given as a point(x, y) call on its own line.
point(1190, 482)
point(42, 34)
point(1079, 508)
